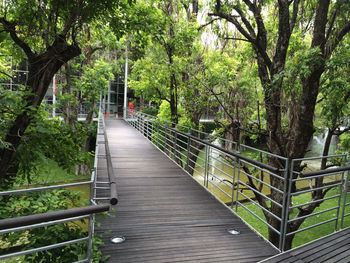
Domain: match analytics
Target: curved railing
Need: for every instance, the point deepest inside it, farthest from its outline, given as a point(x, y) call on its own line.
point(51, 218)
point(244, 183)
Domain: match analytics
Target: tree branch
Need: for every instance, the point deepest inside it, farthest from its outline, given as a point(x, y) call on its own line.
point(236, 38)
point(294, 15)
point(333, 43)
point(11, 29)
point(207, 24)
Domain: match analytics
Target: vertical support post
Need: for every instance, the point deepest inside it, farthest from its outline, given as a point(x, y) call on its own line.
point(237, 188)
point(233, 182)
point(11, 78)
point(175, 147)
point(108, 101)
point(344, 199)
point(125, 82)
point(54, 96)
point(339, 201)
point(285, 203)
point(289, 196)
point(188, 154)
point(206, 165)
point(91, 217)
point(340, 193)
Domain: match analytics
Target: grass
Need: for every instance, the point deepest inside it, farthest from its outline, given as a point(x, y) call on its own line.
point(307, 235)
point(49, 172)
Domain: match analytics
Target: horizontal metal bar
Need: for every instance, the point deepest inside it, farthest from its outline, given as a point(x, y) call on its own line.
point(262, 151)
point(44, 188)
point(319, 157)
point(313, 214)
point(30, 251)
point(50, 216)
point(327, 171)
point(223, 162)
point(315, 189)
point(313, 177)
point(258, 217)
point(348, 214)
point(264, 170)
point(98, 187)
point(261, 207)
point(15, 229)
point(220, 189)
point(309, 227)
point(221, 171)
point(237, 155)
point(101, 198)
point(314, 202)
point(82, 261)
point(260, 193)
point(262, 182)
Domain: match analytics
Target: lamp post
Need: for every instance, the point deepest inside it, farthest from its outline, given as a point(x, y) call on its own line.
point(125, 82)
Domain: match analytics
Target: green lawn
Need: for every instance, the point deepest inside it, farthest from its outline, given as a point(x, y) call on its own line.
point(49, 172)
point(307, 235)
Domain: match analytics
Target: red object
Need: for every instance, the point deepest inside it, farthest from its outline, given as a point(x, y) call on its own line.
point(54, 84)
point(107, 114)
point(131, 105)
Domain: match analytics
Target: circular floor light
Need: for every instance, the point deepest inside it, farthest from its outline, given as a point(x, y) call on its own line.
point(233, 232)
point(117, 240)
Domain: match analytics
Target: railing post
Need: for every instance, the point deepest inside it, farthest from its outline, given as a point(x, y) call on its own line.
point(175, 148)
point(339, 199)
point(233, 182)
point(344, 199)
point(206, 165)
point(285, 203)
point(188, 154)
point(237, 188)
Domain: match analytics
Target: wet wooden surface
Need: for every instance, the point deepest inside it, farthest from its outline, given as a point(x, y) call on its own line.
point(334, 248)
point(164, 214)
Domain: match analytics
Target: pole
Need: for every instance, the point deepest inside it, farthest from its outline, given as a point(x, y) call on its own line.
point(108, 100)
point(53, 96)
point(125, 82)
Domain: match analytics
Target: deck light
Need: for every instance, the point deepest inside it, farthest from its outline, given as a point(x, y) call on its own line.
point(117, 240)
point(233, 232)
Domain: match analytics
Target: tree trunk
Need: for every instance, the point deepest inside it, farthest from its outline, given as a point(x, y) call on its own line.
point(194, 147)
point(42, 68)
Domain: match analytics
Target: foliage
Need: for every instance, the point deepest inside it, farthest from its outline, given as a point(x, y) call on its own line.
point(42, 202)
point(52, 139)
point(164, 115)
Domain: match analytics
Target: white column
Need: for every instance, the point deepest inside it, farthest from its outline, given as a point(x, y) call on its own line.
point(54, 96)
point(109, 100)
point(126, 82)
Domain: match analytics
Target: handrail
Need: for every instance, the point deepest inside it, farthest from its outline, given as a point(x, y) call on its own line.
point(51, 216)
point(173, 143)
point(111, 176)
point(326, 171)
point(237, 155)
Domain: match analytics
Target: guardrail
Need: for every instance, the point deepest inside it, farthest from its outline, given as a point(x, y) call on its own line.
point(51, 218)
point(249, 186)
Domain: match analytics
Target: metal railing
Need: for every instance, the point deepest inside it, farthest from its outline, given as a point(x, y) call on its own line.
point(51, 218)
point(249, 185)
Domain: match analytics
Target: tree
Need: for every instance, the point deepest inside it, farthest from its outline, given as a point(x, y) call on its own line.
point(46, 35)
point(288, 137)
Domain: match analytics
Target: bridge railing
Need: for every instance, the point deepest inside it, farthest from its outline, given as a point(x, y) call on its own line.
point(253, 189)
point(10, 225)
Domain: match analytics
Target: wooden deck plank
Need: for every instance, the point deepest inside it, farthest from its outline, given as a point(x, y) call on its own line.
point(164, 214)
point(330, 249)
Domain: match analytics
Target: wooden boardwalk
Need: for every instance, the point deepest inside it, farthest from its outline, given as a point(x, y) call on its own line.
point(334, 248)
point(164, 214)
